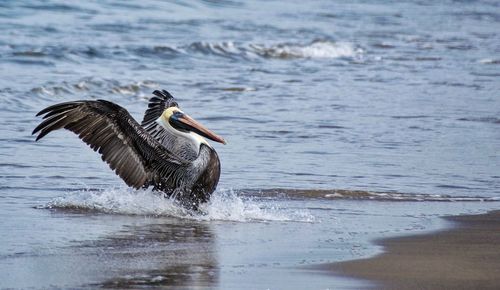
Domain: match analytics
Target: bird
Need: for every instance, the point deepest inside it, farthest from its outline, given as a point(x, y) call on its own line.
point(167, 151)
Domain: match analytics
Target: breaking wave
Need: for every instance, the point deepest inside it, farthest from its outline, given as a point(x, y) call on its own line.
point(224, 205)
point(316, 49)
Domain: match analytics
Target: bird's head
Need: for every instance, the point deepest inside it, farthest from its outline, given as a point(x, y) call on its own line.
point(180, 123)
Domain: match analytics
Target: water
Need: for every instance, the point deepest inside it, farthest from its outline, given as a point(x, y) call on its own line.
point(345, 122)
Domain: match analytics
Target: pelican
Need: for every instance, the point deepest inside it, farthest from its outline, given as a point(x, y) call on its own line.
point(167, 150)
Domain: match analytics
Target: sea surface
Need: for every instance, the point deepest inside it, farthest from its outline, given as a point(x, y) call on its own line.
point(346, 121)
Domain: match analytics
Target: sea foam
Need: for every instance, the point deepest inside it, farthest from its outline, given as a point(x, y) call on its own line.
point(225, 205)
point(319, 49)
point(316, 49)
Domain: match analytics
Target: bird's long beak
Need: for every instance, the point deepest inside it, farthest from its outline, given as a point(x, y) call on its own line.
point(193, 125)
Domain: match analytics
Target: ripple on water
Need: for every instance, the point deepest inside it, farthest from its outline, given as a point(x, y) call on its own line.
point(491, 120)
point(316, 49)
point(91, 84)
point(346, 194)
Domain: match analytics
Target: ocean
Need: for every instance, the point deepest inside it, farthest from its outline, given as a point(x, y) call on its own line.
point(346, 122)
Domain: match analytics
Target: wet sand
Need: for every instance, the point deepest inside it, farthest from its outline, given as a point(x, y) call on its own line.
point(466, 256)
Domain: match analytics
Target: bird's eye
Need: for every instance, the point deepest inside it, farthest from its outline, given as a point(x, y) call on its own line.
point(176, 115)
point(175, 122)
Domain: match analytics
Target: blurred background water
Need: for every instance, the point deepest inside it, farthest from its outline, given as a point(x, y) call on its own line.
point(394, 100)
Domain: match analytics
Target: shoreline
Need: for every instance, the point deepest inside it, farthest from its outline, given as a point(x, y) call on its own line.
point(465, 256)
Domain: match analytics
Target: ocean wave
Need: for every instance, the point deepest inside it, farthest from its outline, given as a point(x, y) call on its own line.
point(96, 85)
point(367, 195)
point(489, 61)
point(55, 52)
point(225, 205)
point(229, 205)
point(316, 49)
point(492, 120)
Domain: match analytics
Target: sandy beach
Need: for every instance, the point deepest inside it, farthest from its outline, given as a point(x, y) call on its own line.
point(466, 256)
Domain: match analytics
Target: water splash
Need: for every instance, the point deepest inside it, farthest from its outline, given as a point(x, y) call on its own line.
point(225, 205)
point(118, 201)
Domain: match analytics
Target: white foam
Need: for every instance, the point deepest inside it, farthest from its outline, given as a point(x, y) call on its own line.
point(489, 61)
point(225, 205)
point(316, 49)
point(119, 201)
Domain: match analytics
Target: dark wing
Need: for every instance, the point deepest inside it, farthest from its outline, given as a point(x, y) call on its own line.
point(109, 129)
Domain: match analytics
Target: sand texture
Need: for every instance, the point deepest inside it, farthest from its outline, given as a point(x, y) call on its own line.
point(466, 256)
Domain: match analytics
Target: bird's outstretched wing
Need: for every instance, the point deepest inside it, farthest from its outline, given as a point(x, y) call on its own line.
point(127, 147)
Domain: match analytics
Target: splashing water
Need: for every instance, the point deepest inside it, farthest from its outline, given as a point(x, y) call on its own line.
point(119, 201)
point(227, 205)
point(224, 205)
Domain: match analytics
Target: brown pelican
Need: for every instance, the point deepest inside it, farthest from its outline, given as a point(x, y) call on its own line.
point(166, 151)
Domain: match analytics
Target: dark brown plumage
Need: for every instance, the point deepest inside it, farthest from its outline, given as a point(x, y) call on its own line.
point(139, 158)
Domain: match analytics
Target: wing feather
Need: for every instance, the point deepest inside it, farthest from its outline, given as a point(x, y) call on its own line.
point(109, 129)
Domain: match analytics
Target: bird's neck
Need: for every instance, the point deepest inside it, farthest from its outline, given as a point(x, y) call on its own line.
point(183, 144)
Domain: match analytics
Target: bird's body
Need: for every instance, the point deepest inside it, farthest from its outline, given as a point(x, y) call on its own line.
point(166, 151)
